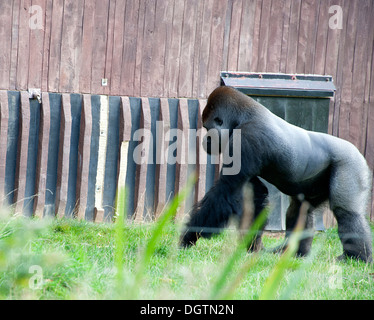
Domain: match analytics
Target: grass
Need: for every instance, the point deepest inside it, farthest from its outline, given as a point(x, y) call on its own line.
point(82, 260)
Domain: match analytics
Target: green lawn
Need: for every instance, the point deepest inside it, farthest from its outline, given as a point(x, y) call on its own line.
point(81, 260)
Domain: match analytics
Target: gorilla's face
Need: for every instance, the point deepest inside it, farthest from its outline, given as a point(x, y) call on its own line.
point(211, 142)
point(218, 133)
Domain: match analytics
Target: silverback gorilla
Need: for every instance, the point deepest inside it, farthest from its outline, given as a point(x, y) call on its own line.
point(298, 162)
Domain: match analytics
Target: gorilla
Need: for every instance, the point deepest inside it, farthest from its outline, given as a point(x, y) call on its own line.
point(318, 166)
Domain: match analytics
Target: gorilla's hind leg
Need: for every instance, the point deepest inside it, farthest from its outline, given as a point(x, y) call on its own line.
point(355, 235)
point(292, 216)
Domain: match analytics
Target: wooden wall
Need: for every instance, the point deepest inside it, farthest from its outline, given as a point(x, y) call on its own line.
point(176, 48)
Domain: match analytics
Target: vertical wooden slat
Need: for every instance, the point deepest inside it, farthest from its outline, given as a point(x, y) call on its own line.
point(41, 173)
point(55, 46)
point(125, 130)
point(46, 44)
point(36, 51)
point(142, 156)
point(182, 152)
point(235, 36)
point(71, 49)
point(173, 57)
point(99, 40)
point(132, 47)
point(187, 49)
point(23, 45)
point(358, 118)
point(216, 47)
point(346, 84)
point(118, 41)
point(14, 47)
point(4, 117)
point(285, 35)
point(84, 155)
point(103, 140)
point(5, 41)
point(202, 156)
point(196, 54)
point(109, 47)
point(87, 47)
point(64, 156)
point(203, 60)
point(140, 23)
point(148, 48)
point(263, 37)
point(161, 168)
point(293, 37)
point(23, 150)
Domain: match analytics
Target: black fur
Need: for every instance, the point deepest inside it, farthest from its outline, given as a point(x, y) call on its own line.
point(298, 162)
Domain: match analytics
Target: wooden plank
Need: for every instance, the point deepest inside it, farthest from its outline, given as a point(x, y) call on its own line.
point(14, 47)
point(118, 40)
point(84, 155)
point(85, 76)
point(312, 36)
point(109, 48)
point(142, 156)
point(216, 47)
point(100, 173)
point(21, 172)
point(264, 34)
point(173, 58)
point(55, 46)
point(6, 41)
point(285, 35)
point(163, 135)
point(125, 137)
point(358, 117)
point(187, 49)
point(346, 84)
point(71, 46)
point(140, 23)
point(4, 117)
point(321, 38)
point(133, 39)
point(181, 172)
point(293, 37)
point(274, 49)
point(42, 166)
point(161, 44)
point(235, 35)
point(37, 48)
point(64, 156)
point(202, 155)
point(204, 53)
point(335, 107)
point(254, 11)
point(46, 44)
point(196, 65)
point(100, 40)
point(23, 46)
point(148, 49)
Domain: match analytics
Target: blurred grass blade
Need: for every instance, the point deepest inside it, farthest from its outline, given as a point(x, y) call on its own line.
point(157, 232)
point(217, 291)
point(270, 289)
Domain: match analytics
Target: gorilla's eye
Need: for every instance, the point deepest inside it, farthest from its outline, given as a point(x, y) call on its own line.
point(218, 121)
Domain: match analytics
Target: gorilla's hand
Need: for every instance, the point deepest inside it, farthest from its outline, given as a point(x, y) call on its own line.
point(188, 239)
